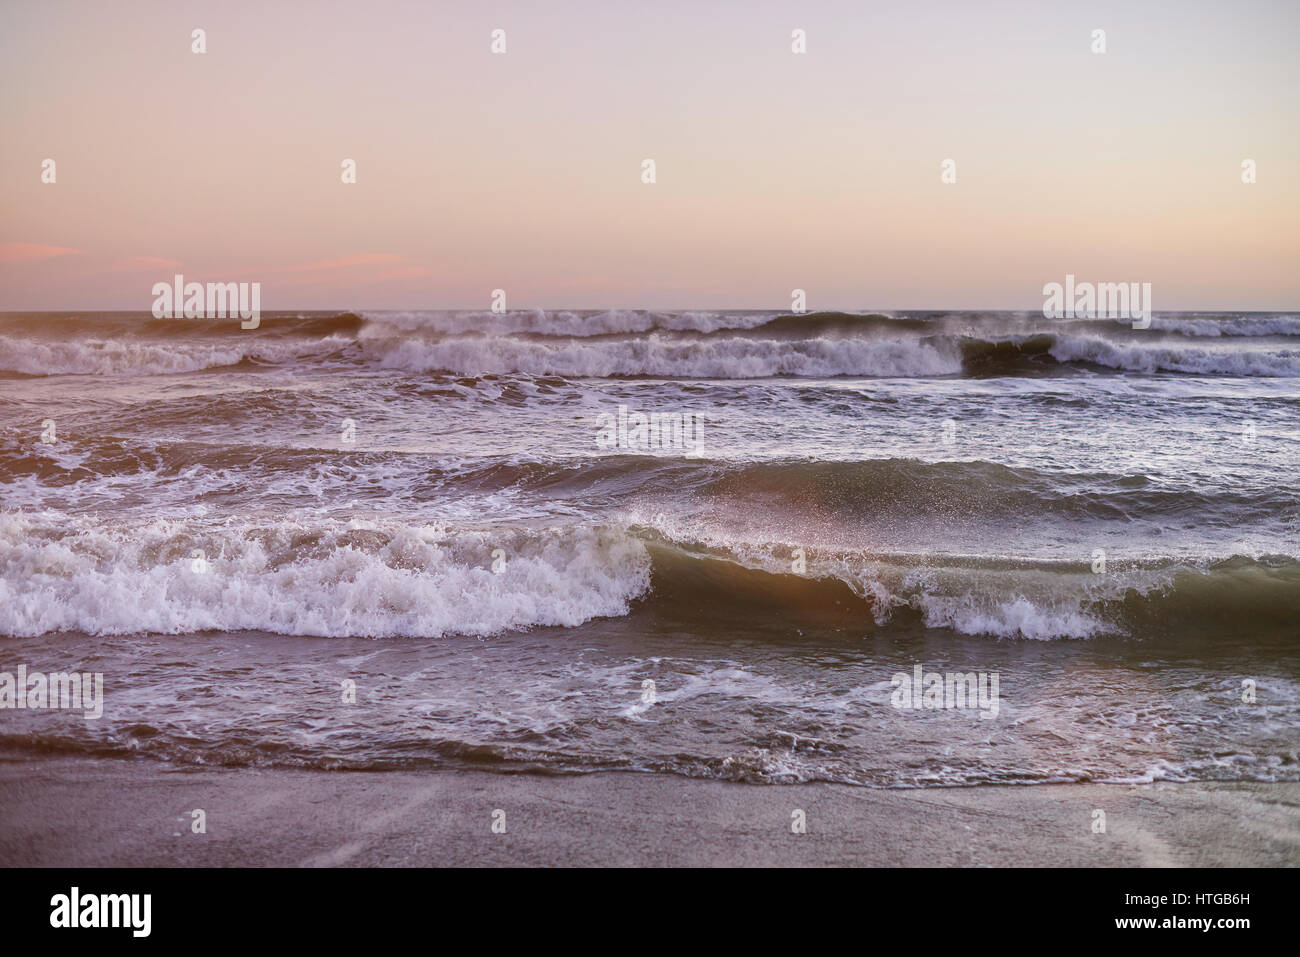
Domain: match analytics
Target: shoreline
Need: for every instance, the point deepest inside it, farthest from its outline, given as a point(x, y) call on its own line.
point(77, 812)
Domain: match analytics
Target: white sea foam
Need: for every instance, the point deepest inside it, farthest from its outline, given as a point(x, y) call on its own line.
point(326, 579)
point(111, 357)
point(1288, 325)
point(122, 357)
point(725, 358)
point(557, 322)
point(1162, 356)
point(1016, 617)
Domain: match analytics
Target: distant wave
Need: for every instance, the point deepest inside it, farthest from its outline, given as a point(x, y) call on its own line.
point(1161, 357)
point(563, 323)
point(726, 358)
point(1273, 325)
point(123, 357)
point(665, 345)
point(570, 324)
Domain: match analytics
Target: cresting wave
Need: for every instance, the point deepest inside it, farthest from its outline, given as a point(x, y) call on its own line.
point(331, 579)
point(731, 357)
point(1159, 600)
point(629, 344)
point(388, 579)
point(137, 356)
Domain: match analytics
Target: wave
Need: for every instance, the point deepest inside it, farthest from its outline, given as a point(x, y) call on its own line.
point(1161, 357)
point(130, 325)
point(666, 345)
point(121, 357)
point(576, 324)
point(886, 491)
point(1246, 326)
point(1158, 599)
point(388, 579)
point(728, 358)
point(327, 579)
point(1041, 353)
point(562, 323)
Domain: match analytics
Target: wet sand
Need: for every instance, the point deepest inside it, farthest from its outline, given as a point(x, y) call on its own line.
point(90, 813)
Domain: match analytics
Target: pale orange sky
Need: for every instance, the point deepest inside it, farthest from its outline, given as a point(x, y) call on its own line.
point(775, 171)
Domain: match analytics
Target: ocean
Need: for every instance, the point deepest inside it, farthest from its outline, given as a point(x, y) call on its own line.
point(738, 545)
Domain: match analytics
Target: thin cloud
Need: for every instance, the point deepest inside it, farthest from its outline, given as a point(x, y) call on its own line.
point(32, 252)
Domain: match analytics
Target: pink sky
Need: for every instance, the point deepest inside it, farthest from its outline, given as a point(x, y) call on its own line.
point(775, 171)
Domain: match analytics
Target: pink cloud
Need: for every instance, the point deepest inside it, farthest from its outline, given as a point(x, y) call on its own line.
point(32, 252)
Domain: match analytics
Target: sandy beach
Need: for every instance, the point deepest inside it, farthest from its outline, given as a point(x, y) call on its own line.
point(80, 813)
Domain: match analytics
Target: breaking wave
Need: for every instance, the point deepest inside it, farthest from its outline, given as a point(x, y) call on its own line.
point(719, 345)
point(388, 579)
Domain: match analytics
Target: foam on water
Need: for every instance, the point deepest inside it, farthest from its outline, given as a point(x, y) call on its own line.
point(728, 358)
point(129, 357)
point(1161, 356)
point(327, 579)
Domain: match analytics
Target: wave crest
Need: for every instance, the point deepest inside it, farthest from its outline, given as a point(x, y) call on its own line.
point(708, 345)
point(325, 579)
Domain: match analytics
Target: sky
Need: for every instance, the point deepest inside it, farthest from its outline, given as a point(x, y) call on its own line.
point(774, 170)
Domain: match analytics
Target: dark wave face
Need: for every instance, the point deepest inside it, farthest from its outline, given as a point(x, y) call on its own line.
point(501, 526)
